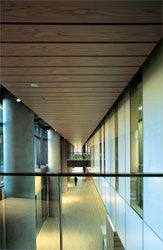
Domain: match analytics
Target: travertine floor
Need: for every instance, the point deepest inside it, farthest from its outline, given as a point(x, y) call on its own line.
point(81, 221)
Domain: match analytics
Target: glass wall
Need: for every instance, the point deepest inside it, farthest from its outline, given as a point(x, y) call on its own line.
point(41, 146)
point(116, 148)
point(133, 144)
point(1, 131)
point(153, 147)
point(102, 141)
point(136, 147)
point(1, 137)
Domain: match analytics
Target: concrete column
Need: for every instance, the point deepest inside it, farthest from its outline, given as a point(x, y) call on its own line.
point(64, 146)
point(54, 163)
point(19, 191)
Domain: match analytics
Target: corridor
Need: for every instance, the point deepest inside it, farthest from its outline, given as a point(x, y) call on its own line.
point(82, 214)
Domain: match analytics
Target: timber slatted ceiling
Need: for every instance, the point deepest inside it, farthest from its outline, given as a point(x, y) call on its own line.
point(81, 54)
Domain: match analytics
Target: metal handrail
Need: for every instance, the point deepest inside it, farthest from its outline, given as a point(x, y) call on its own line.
point(92, 174)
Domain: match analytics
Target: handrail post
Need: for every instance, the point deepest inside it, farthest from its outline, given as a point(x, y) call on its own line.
point(60, 211)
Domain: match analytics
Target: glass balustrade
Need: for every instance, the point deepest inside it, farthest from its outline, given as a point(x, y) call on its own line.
point(37, 213)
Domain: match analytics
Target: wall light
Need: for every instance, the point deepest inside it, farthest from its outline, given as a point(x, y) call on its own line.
point(18, 100)
point(140, 108)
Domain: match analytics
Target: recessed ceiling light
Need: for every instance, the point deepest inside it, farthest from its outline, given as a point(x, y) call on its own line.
point(34, 85)
point(18, 100)
point(140, 108)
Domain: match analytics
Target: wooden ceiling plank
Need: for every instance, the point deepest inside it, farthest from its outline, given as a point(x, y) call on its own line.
point(69, 116)
point(81, 11)
point(68, 71)
point(68, 111)
point(53, 108)
point(64, 61)
point(67, 98)
point(80, 33)
point(76, 49)
point(67, 84)
point(54, 95)
point(61, 101)
point(64, 107)
point(92, 78)
point(65, 90)
point(57, 98)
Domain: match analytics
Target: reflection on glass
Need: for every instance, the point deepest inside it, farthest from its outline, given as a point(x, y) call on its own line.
point(102, 148)
point(30, 217)
point(137, 148)
point(89, 213)
point(41, 146)
point(2, 218)
point(116, 150)
point(1, 143)
point(41, 201)
point(78, 156)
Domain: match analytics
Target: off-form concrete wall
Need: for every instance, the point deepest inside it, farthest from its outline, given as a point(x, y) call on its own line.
point(54, 164)
point(19, 157)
